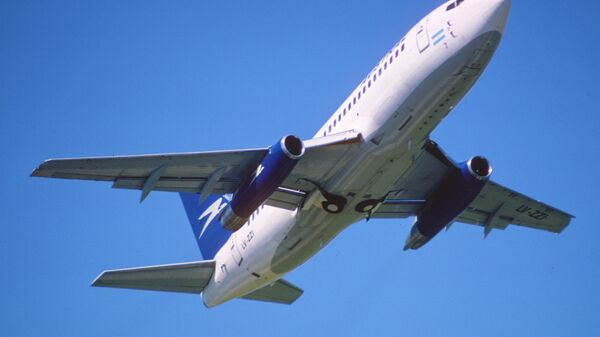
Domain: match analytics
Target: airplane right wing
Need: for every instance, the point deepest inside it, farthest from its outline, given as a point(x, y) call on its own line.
point(495, 207)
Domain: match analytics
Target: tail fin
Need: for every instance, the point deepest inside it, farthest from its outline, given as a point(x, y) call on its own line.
point(204, 218)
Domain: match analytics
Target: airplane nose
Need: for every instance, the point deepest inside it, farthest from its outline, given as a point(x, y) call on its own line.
point(496, 12)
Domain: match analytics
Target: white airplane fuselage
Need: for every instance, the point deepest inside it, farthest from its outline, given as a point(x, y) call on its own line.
point(395, 108)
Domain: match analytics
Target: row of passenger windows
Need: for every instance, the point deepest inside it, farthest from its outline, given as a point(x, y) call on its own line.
point(371, 79)
point(256, 213)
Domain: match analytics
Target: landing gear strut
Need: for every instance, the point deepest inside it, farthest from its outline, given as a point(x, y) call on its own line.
point(333, 203)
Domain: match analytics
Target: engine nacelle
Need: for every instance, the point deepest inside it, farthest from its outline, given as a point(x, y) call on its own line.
point(270, 173)
point(448, 200)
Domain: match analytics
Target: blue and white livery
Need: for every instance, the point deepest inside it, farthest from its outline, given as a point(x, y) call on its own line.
point(259, 213)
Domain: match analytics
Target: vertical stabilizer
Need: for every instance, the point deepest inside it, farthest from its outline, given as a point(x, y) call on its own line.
point(204, 218)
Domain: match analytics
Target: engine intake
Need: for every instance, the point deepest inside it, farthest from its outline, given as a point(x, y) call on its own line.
point(277, 164)
point(479, 167)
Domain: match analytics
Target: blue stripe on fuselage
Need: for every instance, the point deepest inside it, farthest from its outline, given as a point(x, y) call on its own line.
point(437, 34)
point(439, 40)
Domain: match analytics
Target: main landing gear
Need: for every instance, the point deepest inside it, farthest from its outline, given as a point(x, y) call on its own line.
point(333, 203)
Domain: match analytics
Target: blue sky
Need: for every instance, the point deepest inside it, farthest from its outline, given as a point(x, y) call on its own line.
point(128, 77)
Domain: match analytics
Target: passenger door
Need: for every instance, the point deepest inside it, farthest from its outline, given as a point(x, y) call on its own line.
point(422, 35)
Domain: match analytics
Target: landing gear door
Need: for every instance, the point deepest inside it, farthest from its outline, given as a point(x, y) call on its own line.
point(422, 35)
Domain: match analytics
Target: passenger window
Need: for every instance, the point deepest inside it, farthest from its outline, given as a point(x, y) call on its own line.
point(391, 60)
point(369, 83)
point(354, 100)
point(339, 117)
point(349, 106)
point(329, 128)
point(359, 95)
point(396, 53)
point(379, 71)
point(334, 122)
point(402, 47)
point(374, 77)
point(385, 65)
point(344, 111)
point(364, 89)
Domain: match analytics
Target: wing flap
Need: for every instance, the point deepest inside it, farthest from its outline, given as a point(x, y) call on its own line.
point(278, 292)
point(189, 277)
point(395, 209)
point(179, 184)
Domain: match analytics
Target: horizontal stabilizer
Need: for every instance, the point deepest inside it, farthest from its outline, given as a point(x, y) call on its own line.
point(278, 292)
point(190, 277)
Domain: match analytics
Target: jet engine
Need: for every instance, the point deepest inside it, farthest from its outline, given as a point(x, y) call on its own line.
point(448, 200)
point(277, 164)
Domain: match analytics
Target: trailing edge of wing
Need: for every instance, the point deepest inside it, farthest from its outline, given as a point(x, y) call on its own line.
point(189, 277)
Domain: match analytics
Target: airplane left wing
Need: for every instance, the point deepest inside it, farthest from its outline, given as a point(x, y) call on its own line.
point(174, 172)
point(220, 172)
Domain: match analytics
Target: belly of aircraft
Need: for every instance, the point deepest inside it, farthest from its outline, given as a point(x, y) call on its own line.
point(378, 165)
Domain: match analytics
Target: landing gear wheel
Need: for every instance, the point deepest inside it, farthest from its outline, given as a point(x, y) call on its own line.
point(333, 203)
point(331, 207)
point(366, 206)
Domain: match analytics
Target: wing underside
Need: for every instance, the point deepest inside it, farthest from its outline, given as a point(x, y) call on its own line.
point(495, 207)
point(220, 172)
point(223, 172)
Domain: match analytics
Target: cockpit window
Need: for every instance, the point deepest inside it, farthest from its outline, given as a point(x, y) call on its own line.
point(454, 4)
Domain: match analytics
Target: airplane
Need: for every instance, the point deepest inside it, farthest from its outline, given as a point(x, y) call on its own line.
point(257, 214)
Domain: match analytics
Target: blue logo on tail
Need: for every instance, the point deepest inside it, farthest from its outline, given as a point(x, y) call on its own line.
point(204, 218)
